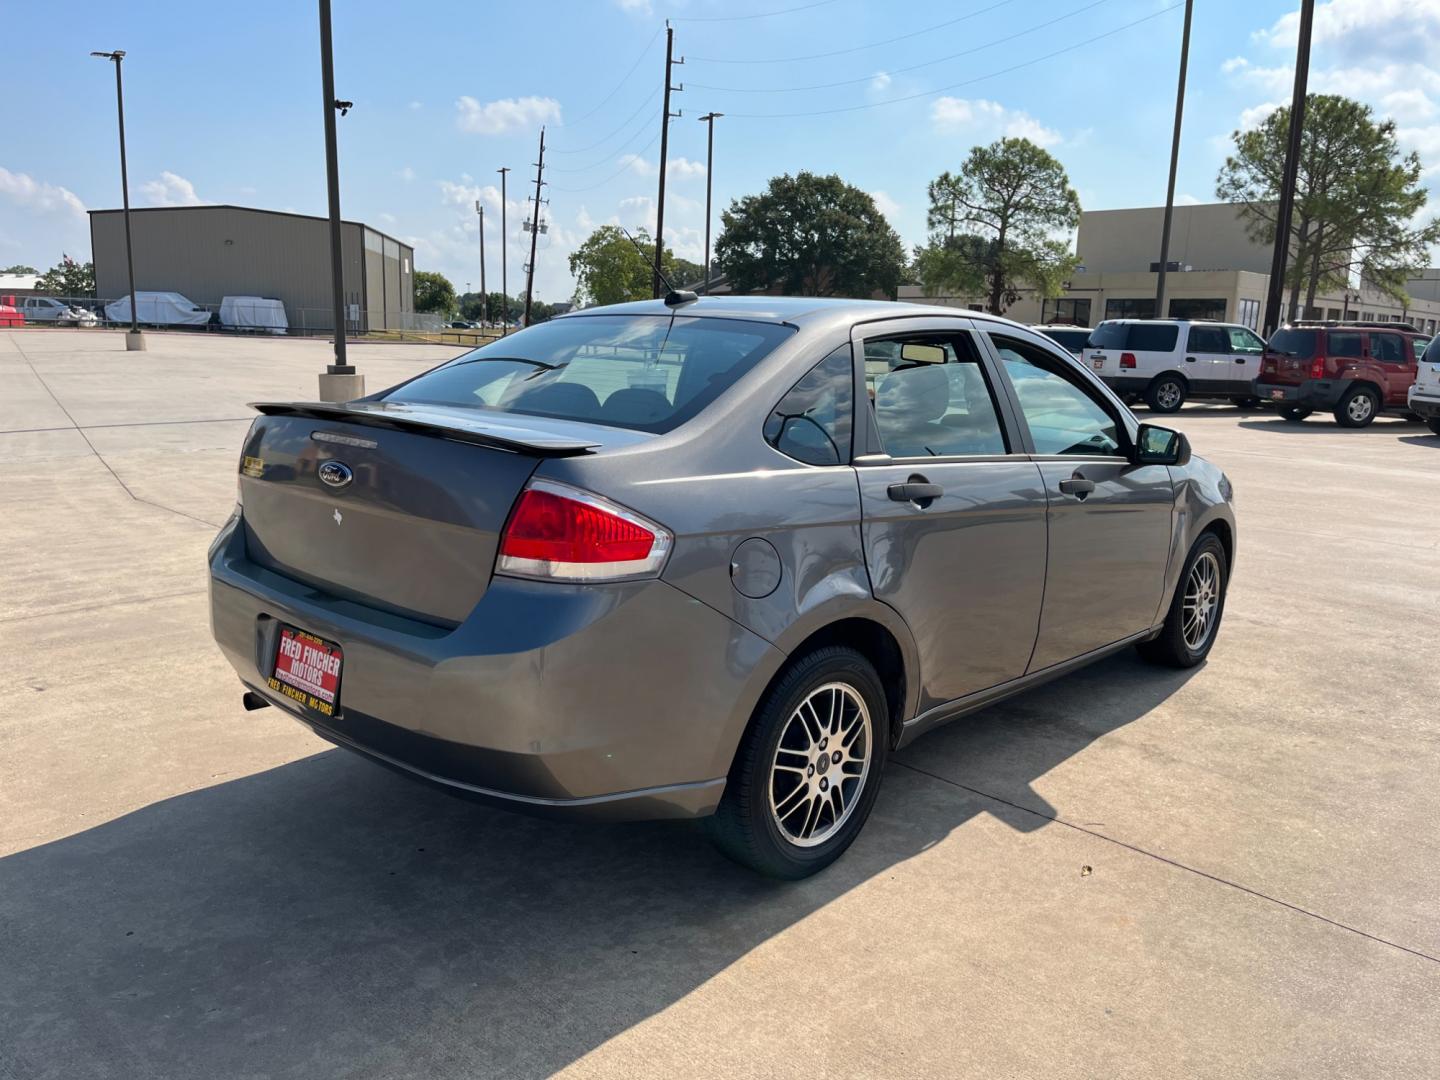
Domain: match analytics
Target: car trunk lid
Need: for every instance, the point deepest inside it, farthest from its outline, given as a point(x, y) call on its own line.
point(396, 507)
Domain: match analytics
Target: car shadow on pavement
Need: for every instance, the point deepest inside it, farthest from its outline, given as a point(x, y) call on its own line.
point(1323, 424)
point(328, 918)
point(1422, 440)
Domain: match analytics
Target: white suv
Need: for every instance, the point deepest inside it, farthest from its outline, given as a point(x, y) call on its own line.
point(1424, 395)
point(1170, 361)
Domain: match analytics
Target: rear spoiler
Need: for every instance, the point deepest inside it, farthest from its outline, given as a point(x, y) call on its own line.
point(441, 425)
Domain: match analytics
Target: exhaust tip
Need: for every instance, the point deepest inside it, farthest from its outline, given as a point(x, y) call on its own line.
point(253, 701)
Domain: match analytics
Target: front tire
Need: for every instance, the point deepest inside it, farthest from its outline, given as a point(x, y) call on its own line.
point(1193, 620)
point(1294, 413)
point(1357, 408)
point(1165, 394)
point(809, 768)
point(1434, 424)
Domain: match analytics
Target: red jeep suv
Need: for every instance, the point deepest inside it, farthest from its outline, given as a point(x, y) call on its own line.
point(1354, 370)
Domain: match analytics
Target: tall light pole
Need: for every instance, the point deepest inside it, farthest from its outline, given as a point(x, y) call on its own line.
point(504, 286)
point(709, 120)
point(1174, 161)
point(134, 341)
point(1283, 211)
point(340, 382)
point(484, 300)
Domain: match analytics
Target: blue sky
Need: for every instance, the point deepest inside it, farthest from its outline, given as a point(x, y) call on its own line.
point(226, 108)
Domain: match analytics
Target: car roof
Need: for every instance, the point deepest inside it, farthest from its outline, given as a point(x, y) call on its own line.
point(795, 310)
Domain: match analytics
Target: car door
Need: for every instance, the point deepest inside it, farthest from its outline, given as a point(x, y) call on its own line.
point(1110, 521)
point(1246, 349)
point(953, 511)
point(1207, 359)
point(1392, 359)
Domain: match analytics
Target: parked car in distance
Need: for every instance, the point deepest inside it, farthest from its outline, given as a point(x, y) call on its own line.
point(41, 309)
point(1355, 371)
point(1424, 393)
point(710, 557)
point(10, 315)
point(158, 308)
point(1073, 338)
point(1167, 362)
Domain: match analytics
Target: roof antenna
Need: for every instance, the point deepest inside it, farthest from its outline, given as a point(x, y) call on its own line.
point(675, 297)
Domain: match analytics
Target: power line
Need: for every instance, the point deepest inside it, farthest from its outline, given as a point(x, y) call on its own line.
point(965, 82)
point(901, 71)
point(758, 15)
point(623, 169)
point(857, 48)
point(623, 80)
point(610, 155)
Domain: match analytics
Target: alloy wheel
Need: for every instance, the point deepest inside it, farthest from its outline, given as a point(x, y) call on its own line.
point(820, 764)
point(1202, 600)
point(1167, 394)
point(1359, 408)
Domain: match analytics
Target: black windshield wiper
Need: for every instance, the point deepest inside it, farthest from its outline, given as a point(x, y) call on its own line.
point(506, 360)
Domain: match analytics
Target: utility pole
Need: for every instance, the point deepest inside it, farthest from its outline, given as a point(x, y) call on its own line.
point(1174, 162)
point(534, 228)
point(340, 381)
point(1286, 206)
point(504, 246)
point(709, 120)
point(665, 116)
point(134, 340)
point(484, 296)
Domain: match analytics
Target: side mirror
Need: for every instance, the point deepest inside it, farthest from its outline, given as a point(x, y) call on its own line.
point(1161, 446)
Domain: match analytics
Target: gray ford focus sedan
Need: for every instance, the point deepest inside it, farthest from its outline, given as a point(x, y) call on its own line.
point(709, 558)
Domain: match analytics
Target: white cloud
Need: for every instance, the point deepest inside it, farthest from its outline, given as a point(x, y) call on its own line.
point(1408, 105)
point(981, 117)
point(416, 105)
point(170, 189)
point(881, 82)
point(26, 191)
point(506, 115)
point(1363, 29)
point(1254, 116)
point(685, 169)
point(634, 7)
point(886, 205)
point(1186, 199)
point(407, 174)
point(1234, 64)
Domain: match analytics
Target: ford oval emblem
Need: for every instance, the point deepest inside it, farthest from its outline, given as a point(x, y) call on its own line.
point(336, 474)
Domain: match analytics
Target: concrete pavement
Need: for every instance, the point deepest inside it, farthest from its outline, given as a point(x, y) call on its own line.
point(1233, 871)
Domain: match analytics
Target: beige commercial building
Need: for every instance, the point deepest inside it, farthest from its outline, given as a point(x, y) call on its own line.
point(208, 253)
point(1216, 272)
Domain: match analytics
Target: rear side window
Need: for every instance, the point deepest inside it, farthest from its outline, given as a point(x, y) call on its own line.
point(930, 396)
point(645, 372)
point(812, 422)
point(1345, 343)
point(1152, 337)
point(1208, 339)
point(1388, 348)
point(1297, 343)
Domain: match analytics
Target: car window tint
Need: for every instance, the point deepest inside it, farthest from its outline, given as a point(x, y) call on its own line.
point(1345, 343)
point(1242, 340)
point(1208, 339)
point(646, 372)
point(812, 422)
point(1108, 335)
point(1063, 417)
point(1299, 344)
point(1152, 337)
point(932, 409)
point(1388, 348)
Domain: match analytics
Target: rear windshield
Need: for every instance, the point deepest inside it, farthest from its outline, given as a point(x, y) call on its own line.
point(1139, 337)
point(1297, 343)
point(1074, 340)
point(645, 372)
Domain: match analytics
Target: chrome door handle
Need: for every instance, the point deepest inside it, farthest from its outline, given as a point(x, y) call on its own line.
point(1077, 486)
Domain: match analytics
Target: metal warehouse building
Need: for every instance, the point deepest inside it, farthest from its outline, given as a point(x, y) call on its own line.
point(210, 252)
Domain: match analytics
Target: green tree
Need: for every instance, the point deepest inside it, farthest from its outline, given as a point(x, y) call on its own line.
point(19, 268)
point(433, 293)
point(993, 225)
point(809, 235)
point(470, 306)
point(686, 273)
point(68, 278)
point(1357, 200)
point(609, 269)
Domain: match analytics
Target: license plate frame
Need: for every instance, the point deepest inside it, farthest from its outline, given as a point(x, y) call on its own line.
point(1098, 363)
point(1277, 395)
point(307, 669)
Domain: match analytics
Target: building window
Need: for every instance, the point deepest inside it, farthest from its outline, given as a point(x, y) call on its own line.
point(1333, 314)
point(1186, 308)
point(1250, 314)
point(1067, 310)
point(1130, 307)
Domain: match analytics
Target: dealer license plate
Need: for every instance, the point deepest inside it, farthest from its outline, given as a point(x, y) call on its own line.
point(1099, 363)
point(1277, 395)
point(307, 671)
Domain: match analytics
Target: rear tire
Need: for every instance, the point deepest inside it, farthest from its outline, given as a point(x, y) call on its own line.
point(1247, 403)
point(1294, 413)
point(1193, 621)
point(1165, 394)
point(824, 707)
point(1357, 408)
point(1434, 425)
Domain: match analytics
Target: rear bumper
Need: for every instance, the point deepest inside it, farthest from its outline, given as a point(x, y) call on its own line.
point(1424, 406)
point(617, 702)
point(1320, 395)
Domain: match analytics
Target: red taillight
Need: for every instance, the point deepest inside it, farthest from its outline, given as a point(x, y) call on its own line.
point(1317, 368)
point(563, 533)
point(1127, 359)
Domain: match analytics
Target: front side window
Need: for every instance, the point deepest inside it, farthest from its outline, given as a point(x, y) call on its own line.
point(645, 372)
point(1242, 340)
point(812, 422)
point(930, 396)
point(1063, 417)
point(1388, 348)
